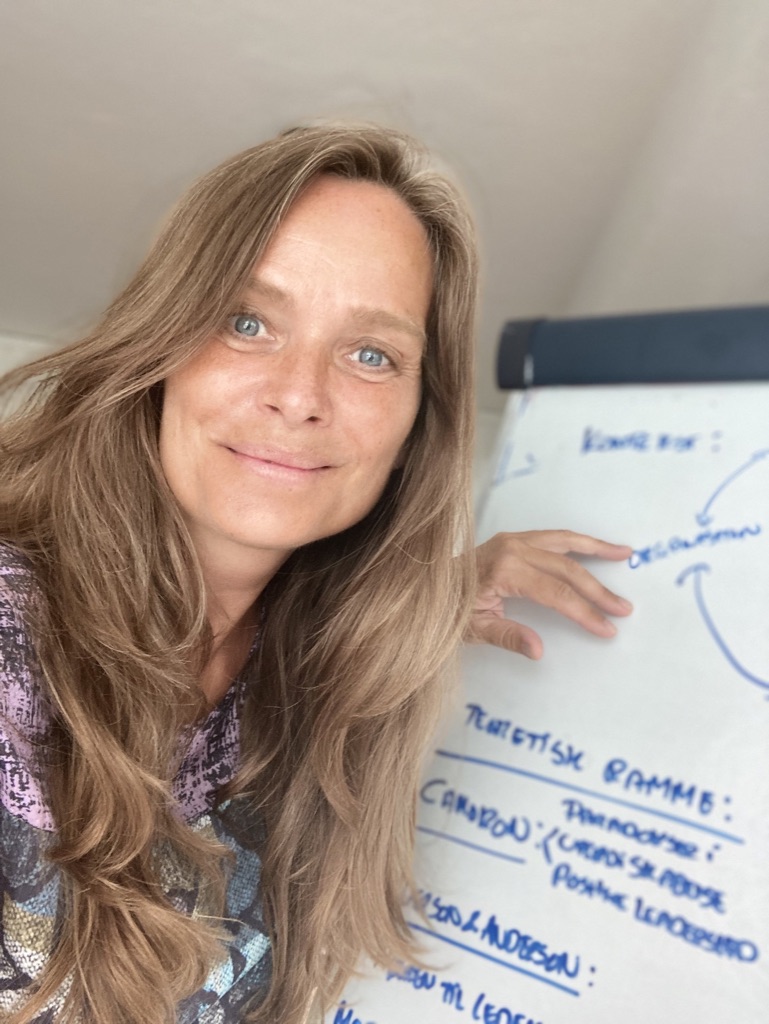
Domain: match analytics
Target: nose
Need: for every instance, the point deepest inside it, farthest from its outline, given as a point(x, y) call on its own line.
point(296, 385)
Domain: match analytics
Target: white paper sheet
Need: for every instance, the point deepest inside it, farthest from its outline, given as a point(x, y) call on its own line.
point(593, 837)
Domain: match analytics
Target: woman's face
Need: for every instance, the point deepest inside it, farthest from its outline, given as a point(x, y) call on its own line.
point(285, 427)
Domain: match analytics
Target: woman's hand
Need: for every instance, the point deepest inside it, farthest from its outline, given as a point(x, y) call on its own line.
point(535, 565)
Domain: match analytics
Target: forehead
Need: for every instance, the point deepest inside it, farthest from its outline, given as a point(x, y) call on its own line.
point(350, 243)
point(333, 196)
point(349, 212)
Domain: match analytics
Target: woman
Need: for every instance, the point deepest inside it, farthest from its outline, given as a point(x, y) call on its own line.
point(230, 594)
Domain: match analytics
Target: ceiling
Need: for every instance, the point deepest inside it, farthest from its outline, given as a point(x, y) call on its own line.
point(569, 123)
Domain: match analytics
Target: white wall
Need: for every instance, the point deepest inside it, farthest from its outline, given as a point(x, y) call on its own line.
point(16, 349)
point(690, 227)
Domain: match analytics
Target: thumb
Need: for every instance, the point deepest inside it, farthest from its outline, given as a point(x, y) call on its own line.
point(507, 634)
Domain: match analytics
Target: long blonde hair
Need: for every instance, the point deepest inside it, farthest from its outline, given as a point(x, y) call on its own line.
point(360, 631)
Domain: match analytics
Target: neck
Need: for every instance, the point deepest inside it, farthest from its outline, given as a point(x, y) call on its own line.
point(234, 578)
point(234, 582)
point(230, 653)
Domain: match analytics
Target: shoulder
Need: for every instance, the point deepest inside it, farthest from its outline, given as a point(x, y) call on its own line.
point(24, 715)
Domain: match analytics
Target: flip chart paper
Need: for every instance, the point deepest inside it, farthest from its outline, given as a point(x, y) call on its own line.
point(593, 829)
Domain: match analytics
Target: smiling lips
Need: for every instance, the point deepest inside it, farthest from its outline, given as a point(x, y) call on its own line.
point(277, 462)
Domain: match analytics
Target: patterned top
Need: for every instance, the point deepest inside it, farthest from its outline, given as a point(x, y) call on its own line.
point(29, 884)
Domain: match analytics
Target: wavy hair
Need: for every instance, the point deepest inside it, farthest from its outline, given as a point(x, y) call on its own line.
point(357, 643)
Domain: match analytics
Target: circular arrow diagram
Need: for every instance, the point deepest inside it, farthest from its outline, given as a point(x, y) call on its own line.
point(696, 571)
point(704, 517)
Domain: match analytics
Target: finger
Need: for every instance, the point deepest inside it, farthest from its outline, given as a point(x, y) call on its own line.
point(565, 542)
point(508, 634)
point(552, 591)
point(584, 583)
point(525, 577)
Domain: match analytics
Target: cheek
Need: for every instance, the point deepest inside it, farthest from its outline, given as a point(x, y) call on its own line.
point(182, 414)
point(174, 411)
point(194, 397)
point(171, 448)
point(385, 441)
point(407, 430)
point(387, 420)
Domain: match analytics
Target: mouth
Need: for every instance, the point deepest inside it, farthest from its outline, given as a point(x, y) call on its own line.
point(275, 460)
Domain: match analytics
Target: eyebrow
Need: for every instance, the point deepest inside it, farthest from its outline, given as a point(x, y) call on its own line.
point(363, 316)
point(385, 319)
point(268, 291)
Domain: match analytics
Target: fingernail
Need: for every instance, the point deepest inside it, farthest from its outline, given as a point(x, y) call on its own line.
point(625, 604)
point(609, 628)
point(526, 649)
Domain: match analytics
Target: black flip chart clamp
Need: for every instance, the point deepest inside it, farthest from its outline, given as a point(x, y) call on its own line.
point(654, 348)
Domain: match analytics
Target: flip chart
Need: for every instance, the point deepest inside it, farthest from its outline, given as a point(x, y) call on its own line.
point(593, 828)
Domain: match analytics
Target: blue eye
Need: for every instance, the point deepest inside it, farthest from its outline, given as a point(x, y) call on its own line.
point(246, 325)
point(373, 357)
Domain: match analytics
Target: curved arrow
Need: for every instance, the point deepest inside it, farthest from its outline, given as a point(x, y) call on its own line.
point(703, 517)
point(696, 571)
point(503, 473)
point(531, 466)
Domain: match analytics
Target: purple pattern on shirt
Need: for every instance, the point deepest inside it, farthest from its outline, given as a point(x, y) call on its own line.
point(29, 882)
point(211, 752)
point(23, 715)
point(210, 757)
